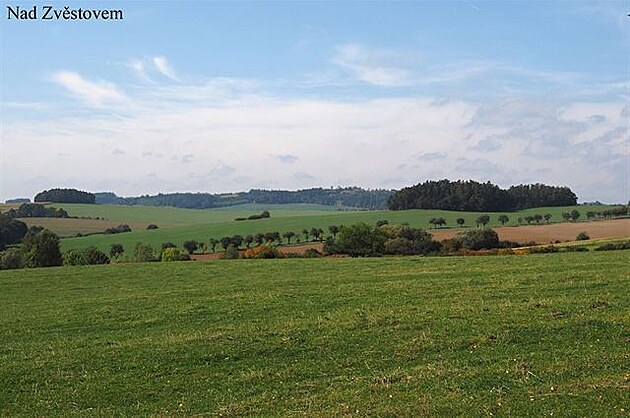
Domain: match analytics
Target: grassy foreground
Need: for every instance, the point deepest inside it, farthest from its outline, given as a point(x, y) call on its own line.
point(475, 336)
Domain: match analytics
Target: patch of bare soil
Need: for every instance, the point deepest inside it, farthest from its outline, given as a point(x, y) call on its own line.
point(546, 234)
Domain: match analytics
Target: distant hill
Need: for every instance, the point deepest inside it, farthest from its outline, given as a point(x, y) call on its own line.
point(354, 197)
point(18, 200)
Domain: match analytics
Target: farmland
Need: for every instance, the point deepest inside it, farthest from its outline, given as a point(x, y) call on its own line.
point(528, 336)
point(178, 225)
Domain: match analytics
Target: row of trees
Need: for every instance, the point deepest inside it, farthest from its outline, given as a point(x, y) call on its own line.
point(473, 196)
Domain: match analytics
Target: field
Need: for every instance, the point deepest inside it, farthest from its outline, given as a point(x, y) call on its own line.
point(512, 336)
point(179, 225)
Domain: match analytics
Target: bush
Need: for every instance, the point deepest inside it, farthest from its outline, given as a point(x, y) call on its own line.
point(84, 257)
point(476, 239)
point(582, 236)
point(614, 246)
point(231, 253)
point(174, 254)
point(11, 259)
point(118, 229)
point(262, 251)
point(358, 240)
point(143, 253)
point(152, 226)
point(312, 253)
point(41, 249)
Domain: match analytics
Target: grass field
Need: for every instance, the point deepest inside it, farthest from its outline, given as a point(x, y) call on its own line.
point(510, 336)
point(201, 225)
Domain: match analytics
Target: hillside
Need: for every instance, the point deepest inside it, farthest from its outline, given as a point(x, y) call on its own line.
point(509, 336)
point(179, 225)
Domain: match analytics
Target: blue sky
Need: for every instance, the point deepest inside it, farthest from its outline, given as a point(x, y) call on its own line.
point(228, 96)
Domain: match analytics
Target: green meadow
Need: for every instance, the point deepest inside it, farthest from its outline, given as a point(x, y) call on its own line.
point(179, 225)
point(535, 335)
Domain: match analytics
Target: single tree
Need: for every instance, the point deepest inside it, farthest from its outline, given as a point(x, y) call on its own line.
point(213, 243)
point(538, 217)
point(504, 219)
point(529, 219)
point(306, 234)
point(237, 241)
point(461, 221)
point(547, 217)
point(259, 238)
point(191, 246)
point(575, 215)
point(248, 240)
point(116, 250)
point(288, 235)
point(225, 242)
point(334, 229)
point(482, 220)
point(316, 233)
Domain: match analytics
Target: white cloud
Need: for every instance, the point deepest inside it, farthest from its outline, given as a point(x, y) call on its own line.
point(162, 65)
point(93, 93)
point(381, 68)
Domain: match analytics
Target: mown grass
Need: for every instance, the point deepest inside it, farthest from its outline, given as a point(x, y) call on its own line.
point(510, 336)
point(220, 222)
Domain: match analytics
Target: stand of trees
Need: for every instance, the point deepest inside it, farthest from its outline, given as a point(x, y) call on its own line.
point(473, 196)
point(34, 210)
point(65, 196)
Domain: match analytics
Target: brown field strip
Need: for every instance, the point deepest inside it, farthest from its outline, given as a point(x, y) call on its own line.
point(546, 234)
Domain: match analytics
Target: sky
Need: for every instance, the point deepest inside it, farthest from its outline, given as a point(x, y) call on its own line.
point(230, 96)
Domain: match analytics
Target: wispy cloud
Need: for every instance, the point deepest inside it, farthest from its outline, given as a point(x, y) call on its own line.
point(163, 66)
point(378, 67)
point(93, 93)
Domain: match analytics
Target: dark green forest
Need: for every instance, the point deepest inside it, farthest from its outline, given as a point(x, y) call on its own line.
point(65, 196)
point(473, 196)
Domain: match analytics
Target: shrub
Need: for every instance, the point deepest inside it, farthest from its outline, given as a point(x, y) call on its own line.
point(358, 240)
point(174, 254)
point(262, 251)
point(614, 246)
point(582, 236)
point(231, 253)
point(476, 239)
point(118, 229)
point(143, 253)
point(152, 226)
point(41, 249)
point(84, 257)
point(312, 253)
point(10, 259)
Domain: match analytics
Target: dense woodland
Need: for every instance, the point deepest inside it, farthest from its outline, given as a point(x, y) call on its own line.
point(65, 196)
point(473, 196)
point(343, 197)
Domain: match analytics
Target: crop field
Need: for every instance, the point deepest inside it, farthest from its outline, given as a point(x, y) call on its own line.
point(201, 225)
point(535, 335)
point(70, 227)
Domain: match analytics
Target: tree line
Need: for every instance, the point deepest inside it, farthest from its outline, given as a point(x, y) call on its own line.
point(354, 197)
point(473, 196)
